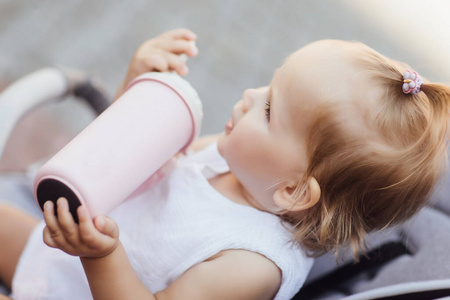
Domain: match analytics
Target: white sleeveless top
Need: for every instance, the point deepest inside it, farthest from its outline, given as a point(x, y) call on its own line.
point(179, 222)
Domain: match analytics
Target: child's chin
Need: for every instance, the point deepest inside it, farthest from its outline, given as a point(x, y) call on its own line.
point(220, 143)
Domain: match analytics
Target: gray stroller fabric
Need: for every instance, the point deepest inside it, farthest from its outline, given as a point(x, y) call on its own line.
point(433, 289)
point(3, 290)
point(441, 198)
point(16, 190)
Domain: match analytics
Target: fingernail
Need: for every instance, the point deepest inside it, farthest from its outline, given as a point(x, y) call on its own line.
point(194, 51)
point(184, 70)
point(193, 48)
point(192, 35)
point(61, 202)
point(48, 205)
point(81, 211)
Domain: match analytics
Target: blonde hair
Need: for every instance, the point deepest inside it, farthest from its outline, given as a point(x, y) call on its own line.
point(365, 186)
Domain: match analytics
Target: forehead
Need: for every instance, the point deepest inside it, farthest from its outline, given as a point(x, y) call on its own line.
point(323, 70)
point(325, 74)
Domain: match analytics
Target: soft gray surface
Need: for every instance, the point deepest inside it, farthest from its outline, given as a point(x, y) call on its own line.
point(240, 42)
point(441, 199)
point(16, 190)
point(401, 289)
point(427, 235)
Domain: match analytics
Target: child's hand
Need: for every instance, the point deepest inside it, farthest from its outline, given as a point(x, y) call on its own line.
point(163, 53)
point(91, 239)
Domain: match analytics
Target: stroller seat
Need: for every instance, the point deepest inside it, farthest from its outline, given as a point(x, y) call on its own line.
point(409, 261)
point(43, 87)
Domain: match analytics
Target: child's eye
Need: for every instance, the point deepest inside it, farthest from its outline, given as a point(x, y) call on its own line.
point(268, 111)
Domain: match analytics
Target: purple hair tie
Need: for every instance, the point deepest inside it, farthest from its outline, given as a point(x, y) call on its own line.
point(411, 83)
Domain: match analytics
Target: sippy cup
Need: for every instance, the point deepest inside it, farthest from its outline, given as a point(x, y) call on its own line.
point(158, 116)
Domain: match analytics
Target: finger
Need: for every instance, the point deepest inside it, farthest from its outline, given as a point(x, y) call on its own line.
point(176, 63)
point(102, 236)
point(156, 62)
point(179, 46)
point(49, 216)
point(180, 33)
point(107, 226)
point(88, 233)
point(52, 229)
point(48, 240)
point(66, 222)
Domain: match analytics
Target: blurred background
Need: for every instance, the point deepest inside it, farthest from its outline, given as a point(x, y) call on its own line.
point(241, 42)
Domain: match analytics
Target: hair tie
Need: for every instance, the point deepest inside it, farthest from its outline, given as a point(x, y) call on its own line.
point(411, 83)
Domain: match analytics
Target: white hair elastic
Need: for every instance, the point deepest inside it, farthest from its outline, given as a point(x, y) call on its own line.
point(411, 83)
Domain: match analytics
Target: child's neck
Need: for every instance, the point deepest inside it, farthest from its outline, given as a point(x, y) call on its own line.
point(228, 185)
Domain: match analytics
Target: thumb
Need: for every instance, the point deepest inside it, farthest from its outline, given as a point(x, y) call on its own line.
point(106, 226)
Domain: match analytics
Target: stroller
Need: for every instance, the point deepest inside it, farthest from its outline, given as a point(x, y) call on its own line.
point(409, 261)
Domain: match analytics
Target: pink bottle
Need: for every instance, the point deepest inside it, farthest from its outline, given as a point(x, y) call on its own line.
point(158, 116)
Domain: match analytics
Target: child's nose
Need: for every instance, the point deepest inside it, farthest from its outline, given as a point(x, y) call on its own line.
point(248, 99)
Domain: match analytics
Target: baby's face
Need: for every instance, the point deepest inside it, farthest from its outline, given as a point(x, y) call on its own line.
point(260, 144)
point(265, 140)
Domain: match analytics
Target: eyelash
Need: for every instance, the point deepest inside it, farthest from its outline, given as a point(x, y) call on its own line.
point(267, 109)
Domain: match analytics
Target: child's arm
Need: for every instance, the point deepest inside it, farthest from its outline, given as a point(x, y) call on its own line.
point(103, 257)
point(113, 277)
point(161, 54)
point(231, 274)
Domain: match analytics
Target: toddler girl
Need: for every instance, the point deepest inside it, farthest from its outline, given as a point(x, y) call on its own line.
point(342, 142)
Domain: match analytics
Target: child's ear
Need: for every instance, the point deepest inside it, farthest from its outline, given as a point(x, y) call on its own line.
point(285, 198)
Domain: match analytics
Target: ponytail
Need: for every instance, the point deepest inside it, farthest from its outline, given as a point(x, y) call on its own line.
point(368, 186)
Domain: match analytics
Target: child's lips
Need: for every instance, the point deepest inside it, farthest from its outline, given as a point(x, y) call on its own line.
point(229, 126)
